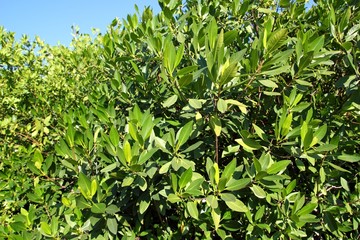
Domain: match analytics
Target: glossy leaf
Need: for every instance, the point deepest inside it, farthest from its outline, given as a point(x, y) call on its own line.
point(192, 209)
point(185, 178)
point(258, 191)
point(277, 167)
point(98, 208)
point(184, 133)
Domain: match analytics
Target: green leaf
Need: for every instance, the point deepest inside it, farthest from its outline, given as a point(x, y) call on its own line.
point(286, 125)
point(338, 168)
point(192, 210)
point(322, 175)
point(268, 83)
point(241, 106)
point(284, 3)
point(128, 180)
point(352, 158)
point(275, 71)
point(216, 173)
point(114, 136)
point(98, 208)
point(45, 228)
point(317, 44)
point(290, 187)
point(66, 201)
point(112, 209)
point(260, 213)
point(194, 188)
point(228, 197)
point(216, 216)
point(195, 103)
point(127, 152)
point(234, 185)
point(258, 191)
point(174, 182)
point(305, 60)
point(185, 178)
point(173, 198)
point(179, 55)
point(54, 224)
point(237, 205)
point(20, 226)
point(352, 33)
point(306, 135)
point(318, 135)
point(212, 31)
point(330, 222)
point(259, 132)
point(109, 168)
point(277, 167)
point(146, 155)
point(112, 225)
point(326, 147)
point(183, 134)
point(170, 101)
point(222, 105)
point(84, 185)
point(212, 201)
point(81, 203)
point(93, 187)
point(70, 135)
point(229, 37)
point(215, 124)
point(276, 40)
point(169, 55)
point(38, 159)
point(229, 169)
point(161, 143)
point(302, 106)
point(303, 83)
point(186, 70)
point(308, 208)
point(344, 184)
point(248, 144)
point(165, 168)
point(144, 204)
point(228, 73)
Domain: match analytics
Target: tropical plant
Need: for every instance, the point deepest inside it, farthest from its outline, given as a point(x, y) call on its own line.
point(212, 119)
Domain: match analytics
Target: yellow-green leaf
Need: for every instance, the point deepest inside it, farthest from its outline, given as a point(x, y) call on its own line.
point(192, 209)
point(258, 191)
point(216, 216)
point(215, 124)
point(240, 105)
point(277, 167)
point(216, 173)
point(127, 152)
point(237, 206)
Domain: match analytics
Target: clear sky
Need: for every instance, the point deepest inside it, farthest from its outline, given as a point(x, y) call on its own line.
point(51, 20)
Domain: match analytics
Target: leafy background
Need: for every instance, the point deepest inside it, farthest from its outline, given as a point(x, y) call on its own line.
point(212, 119)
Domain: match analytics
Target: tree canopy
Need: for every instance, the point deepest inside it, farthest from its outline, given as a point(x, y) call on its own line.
point(212, 119)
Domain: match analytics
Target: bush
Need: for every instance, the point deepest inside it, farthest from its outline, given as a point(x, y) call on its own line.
point(212, 119)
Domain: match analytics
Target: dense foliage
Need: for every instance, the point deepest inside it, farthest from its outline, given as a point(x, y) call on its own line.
point(213, 119)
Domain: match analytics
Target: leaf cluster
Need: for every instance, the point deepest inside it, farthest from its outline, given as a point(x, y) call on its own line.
point(212, 119)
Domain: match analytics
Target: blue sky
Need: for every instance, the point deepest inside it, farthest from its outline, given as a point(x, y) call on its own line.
point(52, 20)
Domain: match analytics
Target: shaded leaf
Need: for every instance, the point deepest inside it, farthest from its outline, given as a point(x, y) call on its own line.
point(98, 208)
